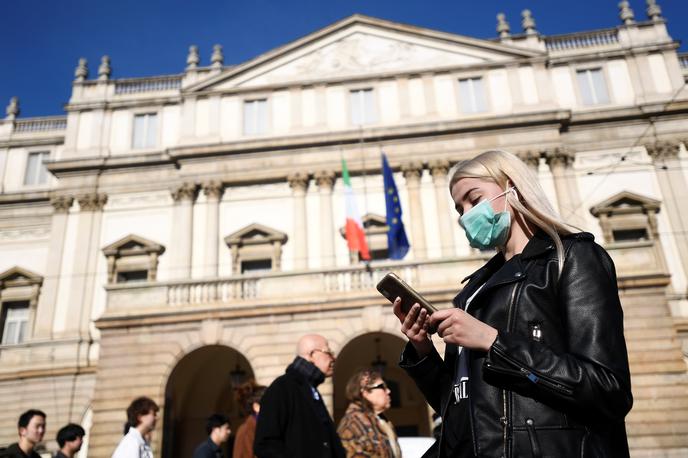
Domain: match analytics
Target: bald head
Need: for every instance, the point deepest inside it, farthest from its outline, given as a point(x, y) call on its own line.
point(308, 343)
point(315, 348)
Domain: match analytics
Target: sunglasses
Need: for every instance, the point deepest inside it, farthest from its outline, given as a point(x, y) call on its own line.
point(379, 386)
point(326, 352)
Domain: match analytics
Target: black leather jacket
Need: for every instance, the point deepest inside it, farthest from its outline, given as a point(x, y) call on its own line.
point(556, 382)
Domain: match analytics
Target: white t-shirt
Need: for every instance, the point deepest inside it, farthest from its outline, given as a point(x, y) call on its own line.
point(133, 445)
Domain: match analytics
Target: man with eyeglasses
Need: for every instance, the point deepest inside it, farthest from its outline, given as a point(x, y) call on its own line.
point(293, 419)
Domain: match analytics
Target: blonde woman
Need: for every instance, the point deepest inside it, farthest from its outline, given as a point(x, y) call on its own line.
point(535, 361)
point(364, 431)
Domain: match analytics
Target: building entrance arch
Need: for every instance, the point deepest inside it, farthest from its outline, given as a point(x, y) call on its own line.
point(202, 383)
point(409, 412)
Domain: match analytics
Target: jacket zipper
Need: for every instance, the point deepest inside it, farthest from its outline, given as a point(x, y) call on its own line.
point(505, 407)
point(531, 375)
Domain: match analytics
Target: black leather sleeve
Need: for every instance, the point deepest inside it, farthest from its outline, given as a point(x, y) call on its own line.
point(430, 373)
point(592, 379)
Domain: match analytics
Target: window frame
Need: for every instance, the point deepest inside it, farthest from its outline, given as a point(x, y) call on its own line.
point(374, 105)
point(579, 89)
point(253, 101)
point(485, 90)
point(42, 172)
point(4, 313)
point(158, 133)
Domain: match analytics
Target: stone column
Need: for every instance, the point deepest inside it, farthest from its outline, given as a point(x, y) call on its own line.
point(48, 298)
point(568, 197)
point(182, 230)
point(429, 92)
point(674, 189)
point(299, 184)
point(85, 260)
point(438, 170)
point(325, 181)
point(413, 171)
point(213, 192)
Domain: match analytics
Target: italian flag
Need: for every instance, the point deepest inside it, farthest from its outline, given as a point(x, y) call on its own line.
point(355, 237)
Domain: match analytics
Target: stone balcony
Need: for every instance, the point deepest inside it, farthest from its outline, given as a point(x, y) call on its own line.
point(639, 264)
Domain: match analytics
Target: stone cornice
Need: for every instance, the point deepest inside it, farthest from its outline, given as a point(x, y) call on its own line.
point(24, 140)
point(23, 198)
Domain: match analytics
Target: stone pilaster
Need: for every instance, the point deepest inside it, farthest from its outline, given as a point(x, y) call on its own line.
point(182, 230)
point(413, 171)
point(298, 182)
point(48, 299)
point(82, 286)
point(438, 170)
point(566, 186)
point(213, 191)
point(532, 159)
point(325, 180)
point(674, 188)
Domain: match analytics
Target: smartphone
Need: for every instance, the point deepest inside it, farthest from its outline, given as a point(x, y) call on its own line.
point(391, 286)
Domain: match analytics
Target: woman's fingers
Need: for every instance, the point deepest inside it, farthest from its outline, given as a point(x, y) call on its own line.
point(396, 308)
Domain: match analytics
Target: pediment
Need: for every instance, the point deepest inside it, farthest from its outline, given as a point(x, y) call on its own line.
point(18, 276)
point(360, 46)
point(255, 234)
point(626, 202)
point(372, 224)
point(131, 245)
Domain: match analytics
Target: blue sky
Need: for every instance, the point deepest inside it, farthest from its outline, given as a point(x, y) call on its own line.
point(42, 40)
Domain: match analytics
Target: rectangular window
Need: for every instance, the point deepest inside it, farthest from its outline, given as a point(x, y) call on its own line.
point(36, 173)
point(134, 276)
point(592, 86)
point(472, 95)
point(145, 131)
point(255, 117)
point(362, 107)
point(630, 235)
point(258, 265)
point(15, 322)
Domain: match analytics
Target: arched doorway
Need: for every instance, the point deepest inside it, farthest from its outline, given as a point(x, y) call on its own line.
point(201, 384)
point(409, 411)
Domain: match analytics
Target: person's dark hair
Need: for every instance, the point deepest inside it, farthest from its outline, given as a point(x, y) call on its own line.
point(215, 421)
point(69, 433)
point(25, 418)
point(357, 383)
point(140, 406)
point(255, 397)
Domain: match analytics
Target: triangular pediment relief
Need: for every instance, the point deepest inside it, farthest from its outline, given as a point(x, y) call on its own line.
point(626, 202)
point(18, 276)
point(360, 46)
point(133, 244)
point(255, 234)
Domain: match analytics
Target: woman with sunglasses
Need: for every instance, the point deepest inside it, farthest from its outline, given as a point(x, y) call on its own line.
point(535, 361)
point(364, 430)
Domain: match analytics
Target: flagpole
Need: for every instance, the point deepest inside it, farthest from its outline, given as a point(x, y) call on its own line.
point(365, 194)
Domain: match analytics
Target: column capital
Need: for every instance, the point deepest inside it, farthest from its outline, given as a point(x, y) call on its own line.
point(185, 191)
point(298, 181)
point(92, 202)
point(325, 179)
point(412, 170)
point(213, 188)
point(61, 204)
point(559, 156)
point(438, 167)
point(661, 150)
point(530, 157)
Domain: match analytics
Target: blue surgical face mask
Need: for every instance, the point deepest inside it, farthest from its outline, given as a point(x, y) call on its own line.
point(485, 228)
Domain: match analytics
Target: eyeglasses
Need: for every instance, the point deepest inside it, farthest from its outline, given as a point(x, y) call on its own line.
point(379, 386)
point(329, 353)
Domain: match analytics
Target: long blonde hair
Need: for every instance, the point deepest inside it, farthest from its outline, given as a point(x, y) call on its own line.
point(503, 168)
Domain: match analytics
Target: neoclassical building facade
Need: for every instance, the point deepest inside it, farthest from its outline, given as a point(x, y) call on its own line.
point(172, 236)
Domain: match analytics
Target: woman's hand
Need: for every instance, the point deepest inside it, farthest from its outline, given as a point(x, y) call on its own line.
point(459, 328)
point(414, 325)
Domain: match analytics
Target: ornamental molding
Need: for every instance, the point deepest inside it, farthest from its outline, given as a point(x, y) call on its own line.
point(325, 179)
point(185, 191)
point(92, 202)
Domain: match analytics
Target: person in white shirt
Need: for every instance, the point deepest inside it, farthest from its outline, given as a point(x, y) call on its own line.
point(142, 415)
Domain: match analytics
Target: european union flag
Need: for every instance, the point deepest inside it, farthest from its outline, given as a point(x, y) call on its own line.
point(397, 243)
